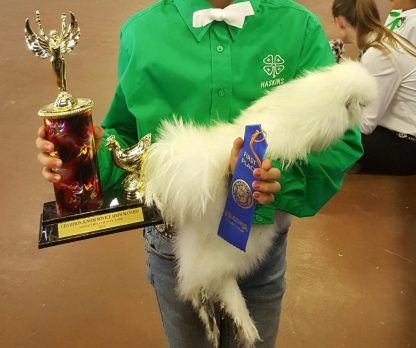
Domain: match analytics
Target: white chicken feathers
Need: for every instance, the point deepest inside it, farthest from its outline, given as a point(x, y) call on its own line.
point(186, 177)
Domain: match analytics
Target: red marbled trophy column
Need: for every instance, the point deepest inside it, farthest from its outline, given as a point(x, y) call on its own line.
point(72, 133)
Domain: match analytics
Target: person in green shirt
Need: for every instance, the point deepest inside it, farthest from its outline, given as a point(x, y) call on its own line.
point(206, 69)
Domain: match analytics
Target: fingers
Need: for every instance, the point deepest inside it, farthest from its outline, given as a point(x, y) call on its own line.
point(41, 132)
point(98, 136)
point(98, 133)
point(265, 191)
point(51, 167)
point(50, 176)
point(41, 143)
point(266, 186)
point(237, 146)
point(263, 198)
point(45, 157)
point(49, 161)
point(266, 172)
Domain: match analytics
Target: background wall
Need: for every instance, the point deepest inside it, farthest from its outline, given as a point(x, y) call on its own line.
point(351, 275)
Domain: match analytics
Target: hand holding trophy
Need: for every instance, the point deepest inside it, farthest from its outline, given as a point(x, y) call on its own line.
point(80, 210)
point(68, 123)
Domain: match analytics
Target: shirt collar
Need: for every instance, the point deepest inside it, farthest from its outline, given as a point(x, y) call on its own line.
point(188, 7)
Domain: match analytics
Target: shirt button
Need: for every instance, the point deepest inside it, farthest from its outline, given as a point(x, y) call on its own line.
point(220, 48)
point(221, 92)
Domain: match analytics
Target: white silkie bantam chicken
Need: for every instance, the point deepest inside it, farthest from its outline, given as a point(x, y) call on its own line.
point(187, 178)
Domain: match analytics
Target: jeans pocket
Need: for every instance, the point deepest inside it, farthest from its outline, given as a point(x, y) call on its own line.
point(160, 259)
point(157, 244)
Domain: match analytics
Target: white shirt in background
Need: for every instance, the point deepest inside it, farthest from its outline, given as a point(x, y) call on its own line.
point(406, 26)
point(395, 107)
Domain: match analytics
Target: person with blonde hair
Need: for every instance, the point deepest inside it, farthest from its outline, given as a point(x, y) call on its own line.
point(389, 124)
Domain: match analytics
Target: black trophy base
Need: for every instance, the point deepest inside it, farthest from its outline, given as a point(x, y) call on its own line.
point(115, 215)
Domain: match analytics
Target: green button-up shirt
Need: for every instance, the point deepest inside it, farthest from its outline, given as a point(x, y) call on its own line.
point(167, 67)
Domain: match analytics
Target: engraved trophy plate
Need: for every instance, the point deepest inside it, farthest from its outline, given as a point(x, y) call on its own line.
point(114, 215)
point(80, 210)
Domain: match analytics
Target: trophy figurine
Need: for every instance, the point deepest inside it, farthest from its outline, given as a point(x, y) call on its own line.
point(81, 209)
point(68, 123)
point(131, 160)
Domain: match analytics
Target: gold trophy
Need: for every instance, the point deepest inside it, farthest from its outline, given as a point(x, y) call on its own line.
point(68, 123)
point(131, 160)
point(80, 210)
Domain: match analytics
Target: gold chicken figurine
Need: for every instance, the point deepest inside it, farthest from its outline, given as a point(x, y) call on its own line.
point(132, 161)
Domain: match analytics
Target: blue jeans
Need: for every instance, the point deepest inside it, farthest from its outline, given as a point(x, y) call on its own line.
point(263, 291)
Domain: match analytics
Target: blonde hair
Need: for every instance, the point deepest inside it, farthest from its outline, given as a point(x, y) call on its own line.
point(363, 15)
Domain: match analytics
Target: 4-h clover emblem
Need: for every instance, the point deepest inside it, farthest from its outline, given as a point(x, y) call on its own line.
point(397, 20)
point(274, 65)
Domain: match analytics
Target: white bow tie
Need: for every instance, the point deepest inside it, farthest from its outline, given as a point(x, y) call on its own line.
point(234, 15)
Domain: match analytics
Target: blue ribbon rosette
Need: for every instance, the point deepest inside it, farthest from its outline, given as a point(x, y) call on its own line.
point(239, 208)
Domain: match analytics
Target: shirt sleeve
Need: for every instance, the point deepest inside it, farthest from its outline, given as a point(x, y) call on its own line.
point(119, 122)
point(387, 75)
point(316, 51)
point(308, 185)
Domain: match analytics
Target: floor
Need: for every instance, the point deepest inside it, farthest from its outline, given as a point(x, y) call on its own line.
point(351, 279)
